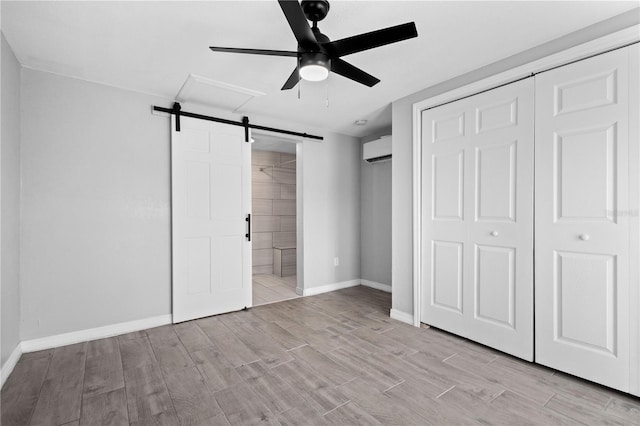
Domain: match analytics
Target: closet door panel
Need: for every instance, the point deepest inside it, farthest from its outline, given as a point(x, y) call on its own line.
point(582, 219)
point(500, 268)
point(445, 182)
point(477, 240)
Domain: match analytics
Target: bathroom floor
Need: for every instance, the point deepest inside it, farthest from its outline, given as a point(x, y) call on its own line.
point(271, 288)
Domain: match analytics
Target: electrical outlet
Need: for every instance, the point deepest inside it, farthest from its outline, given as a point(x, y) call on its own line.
point(336, 261)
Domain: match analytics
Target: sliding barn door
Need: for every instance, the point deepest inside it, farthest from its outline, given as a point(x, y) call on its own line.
point(211, 198)
point(477, 216)
point(582, 218)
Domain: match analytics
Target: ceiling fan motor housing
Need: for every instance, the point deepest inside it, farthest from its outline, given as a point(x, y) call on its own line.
point(315, 10)
point(315, 58)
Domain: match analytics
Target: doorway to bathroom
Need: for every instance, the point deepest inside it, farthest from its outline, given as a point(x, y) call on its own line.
point(274, 232)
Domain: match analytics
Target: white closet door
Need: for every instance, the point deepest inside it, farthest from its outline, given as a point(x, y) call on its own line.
point(477, 215)
point(582, 218)
point(211, 197)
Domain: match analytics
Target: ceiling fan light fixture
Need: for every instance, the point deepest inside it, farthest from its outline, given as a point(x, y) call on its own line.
point(314, 72)
point(314, 66)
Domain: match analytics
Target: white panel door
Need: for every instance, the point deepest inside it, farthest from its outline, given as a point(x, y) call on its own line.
point(477, 216)
point(211, 198)
point(582, 218)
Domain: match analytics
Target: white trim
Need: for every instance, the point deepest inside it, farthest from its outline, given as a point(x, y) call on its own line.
point(93, 333)
point(401, 316)
point(417, 213)
point(377, 286)
point(329, 287)
point(10, 364)
point(582, 51)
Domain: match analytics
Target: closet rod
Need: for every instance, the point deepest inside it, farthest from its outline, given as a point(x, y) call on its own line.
point(177, 111)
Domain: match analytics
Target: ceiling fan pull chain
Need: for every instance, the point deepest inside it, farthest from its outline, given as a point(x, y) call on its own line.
point(327, 86)
point(299, 79)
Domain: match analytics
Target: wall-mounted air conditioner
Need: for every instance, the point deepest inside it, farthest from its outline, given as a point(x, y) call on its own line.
point(377, 151)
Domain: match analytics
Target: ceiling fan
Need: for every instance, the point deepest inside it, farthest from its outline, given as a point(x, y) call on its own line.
point(316, 54)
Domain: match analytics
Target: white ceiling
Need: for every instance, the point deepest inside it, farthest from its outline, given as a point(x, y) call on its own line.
point(152, 47)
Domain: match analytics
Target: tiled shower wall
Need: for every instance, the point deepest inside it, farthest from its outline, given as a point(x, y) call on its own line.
point(274, 207)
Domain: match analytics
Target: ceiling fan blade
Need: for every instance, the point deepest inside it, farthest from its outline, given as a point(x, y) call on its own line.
point(299, 25)
point(254, 51)
point(345, 69)
point(358, 43)
point(293, 79)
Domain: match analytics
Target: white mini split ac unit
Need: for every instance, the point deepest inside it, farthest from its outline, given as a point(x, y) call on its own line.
point(377, 151)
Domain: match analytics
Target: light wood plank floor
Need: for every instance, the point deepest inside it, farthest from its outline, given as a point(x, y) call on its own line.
point(271, 288)
point(334, 358)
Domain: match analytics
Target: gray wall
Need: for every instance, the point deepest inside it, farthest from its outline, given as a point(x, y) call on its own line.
point(10, 202)
point(375, 218)
point(402, 210)
point(95, 201)
point(331, 209)
point(95, 205)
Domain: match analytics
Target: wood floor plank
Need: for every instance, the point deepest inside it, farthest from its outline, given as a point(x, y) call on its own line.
point(147, 394)
point(265, 348)
point(536, 414)
point(361, 365)
point(422, 340)
point(274, 313)
point(275, 392)
point(192, 337)
point(242, 322)
point(215, 368)
point(21, 391)
point(234, 349)
point(447, 375)
point(167, 418)
point(103, 371)
point(321, 340)
point(136, 353)
point(380, 405)
point(280, 335)
point(350, 414)
point(192, 400)
point(107, 408)
point(321, 394)
point(580, 412)
point(411, 395)
point(61, 394)
point(242, 406)
point(536, 388)
point(168, 349)
point(472, 406)
point(303, 415)
point(384, 343)
point(327, 368)
point(627, 408)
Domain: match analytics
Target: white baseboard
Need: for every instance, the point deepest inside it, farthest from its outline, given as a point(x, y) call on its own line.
point(93, 333)
point(10, 364)
point(401, 316)
point(377, 286)
point(329, 287)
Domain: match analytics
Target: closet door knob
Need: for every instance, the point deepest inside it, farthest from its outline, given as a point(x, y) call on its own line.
point(494, 233)
point(584, 237)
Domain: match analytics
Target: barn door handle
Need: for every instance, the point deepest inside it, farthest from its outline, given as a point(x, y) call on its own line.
point(248, 234)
